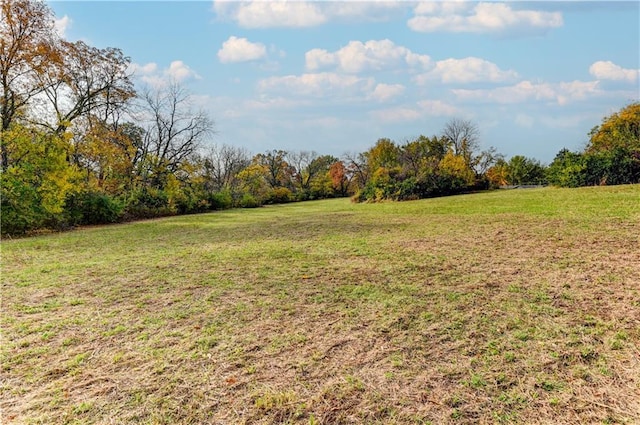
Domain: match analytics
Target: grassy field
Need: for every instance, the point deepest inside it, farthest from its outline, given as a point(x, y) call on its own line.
point(503, 307)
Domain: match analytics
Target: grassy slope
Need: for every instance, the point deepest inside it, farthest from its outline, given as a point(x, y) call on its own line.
point(518, 306)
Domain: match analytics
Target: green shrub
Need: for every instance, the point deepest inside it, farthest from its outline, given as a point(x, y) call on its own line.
point(249, 201)
point(148, 203)
point(279, 195)
point(221, 200)
point(20, 209)
point(189, 201)
point(92, 208)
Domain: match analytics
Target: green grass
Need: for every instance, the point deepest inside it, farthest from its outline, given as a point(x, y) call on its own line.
point(500, 307)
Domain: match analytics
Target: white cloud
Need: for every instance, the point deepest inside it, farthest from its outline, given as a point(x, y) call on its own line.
point(241, 50)
point(318, 85)
point(268, 14)
point(384, 92)
point(422, 109)
point(298, 14)
point(607, 70)
point(524, 91)
point(146, 69)
point(150, 74)
point(481, 18)
point(357, 56)
point(437, 108)
point(444, 8)
point(467, 70)
point(269, 104)
point(399, 114)
point(179, 71)
point(62, 25)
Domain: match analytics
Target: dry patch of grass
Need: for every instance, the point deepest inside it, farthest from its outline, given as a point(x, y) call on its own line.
point(503, 307)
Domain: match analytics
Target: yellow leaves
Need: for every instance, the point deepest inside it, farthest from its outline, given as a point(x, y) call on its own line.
point(620, 129)
point(498, 175)
point(40, 161)
point(456, 166)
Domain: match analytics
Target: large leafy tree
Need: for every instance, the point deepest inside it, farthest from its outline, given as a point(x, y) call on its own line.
point(35, 186)
point(28, 48)
point(612, 155)
point(279, 173)
point(87, 81)
point(618, 130)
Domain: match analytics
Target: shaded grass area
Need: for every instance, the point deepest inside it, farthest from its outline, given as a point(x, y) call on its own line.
point(501, 307)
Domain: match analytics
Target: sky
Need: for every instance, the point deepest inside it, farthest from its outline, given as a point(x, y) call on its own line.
point(335, 76)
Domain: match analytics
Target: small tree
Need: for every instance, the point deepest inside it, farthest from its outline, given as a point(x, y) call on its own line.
point(523, 170)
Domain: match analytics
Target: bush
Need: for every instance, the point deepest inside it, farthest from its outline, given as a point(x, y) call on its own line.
point(249, 201)
point(221, 200)
point(92, 208)
point(20, 209)
point(148, 203)
point(279, 195)
point(189, 201)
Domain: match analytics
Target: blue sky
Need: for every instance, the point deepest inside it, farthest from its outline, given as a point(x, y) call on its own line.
point(334, 77)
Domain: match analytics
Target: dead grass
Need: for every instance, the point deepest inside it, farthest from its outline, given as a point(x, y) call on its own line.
point(504, 307)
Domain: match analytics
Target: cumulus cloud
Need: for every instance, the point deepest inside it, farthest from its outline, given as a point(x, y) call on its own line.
point(241, 50)
point(384, 92)
point(150, 73)
point(481, 18)
point(467, 70)
point(525, 91)
point(61, 25)
point(267, 14)
point(607, 70)
point(298, 14)
point(179, 71)
point(318, 85)
point(357, 56)
point(146, 69)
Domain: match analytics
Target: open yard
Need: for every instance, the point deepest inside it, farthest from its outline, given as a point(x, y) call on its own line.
point(502, 307)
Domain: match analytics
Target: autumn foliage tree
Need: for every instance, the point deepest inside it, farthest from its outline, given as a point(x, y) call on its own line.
point(612, 155)
point(28, 48)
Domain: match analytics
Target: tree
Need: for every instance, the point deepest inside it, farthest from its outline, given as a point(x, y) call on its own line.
point(320, 184)
point(35, 185)
point(463, 135)
point(28, 47)
point(357, 166)
point(340, 178)
point(523, 170)
point(255, 186)
point(108, 155)
point(498, 174)
point(618, 130)
point(567, 169)
point(456, 173)
point(87, 81)
point(173, 130)
point(279, 172)
point(222, 165)
point(384, 154)
point(301, 166)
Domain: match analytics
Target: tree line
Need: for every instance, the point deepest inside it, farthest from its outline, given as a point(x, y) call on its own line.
point(80, 145)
